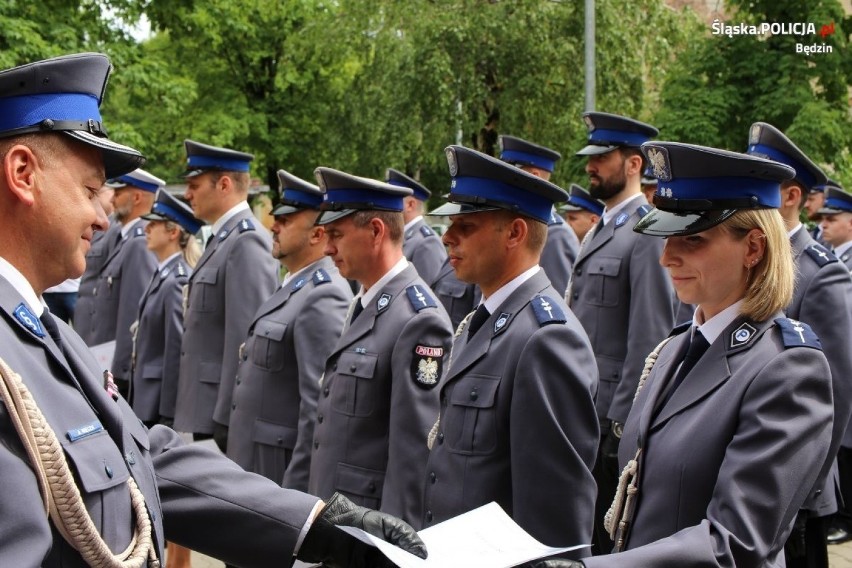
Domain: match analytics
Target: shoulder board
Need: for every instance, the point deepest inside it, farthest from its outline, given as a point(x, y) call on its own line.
point(797, 334)
point(426, 231)
point(181, 269)
point(321, 277)
point(644, 209)
point(820, 254)
point(547, 311)
point(246, 225)
point(680, 328)
point(138, 231)
point(420, 297)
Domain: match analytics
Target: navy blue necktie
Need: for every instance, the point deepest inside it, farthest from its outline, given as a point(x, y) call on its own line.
point(356, 311)
point(477, 320)
point(52, 329)
point(696, 349)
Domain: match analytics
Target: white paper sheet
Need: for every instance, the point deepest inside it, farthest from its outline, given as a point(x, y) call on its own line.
point(485, 537)
point(103, 352)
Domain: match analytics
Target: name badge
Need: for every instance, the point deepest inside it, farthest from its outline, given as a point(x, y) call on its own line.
point(81, 432)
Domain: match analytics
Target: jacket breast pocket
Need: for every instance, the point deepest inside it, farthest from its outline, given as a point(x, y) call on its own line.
point(267, 350)
point(603, 281)
point(470, 419)
point(203, 295)
point(354, 388)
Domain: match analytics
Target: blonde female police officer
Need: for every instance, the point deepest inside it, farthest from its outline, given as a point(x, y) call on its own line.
point(721, 455)
point(134, 485)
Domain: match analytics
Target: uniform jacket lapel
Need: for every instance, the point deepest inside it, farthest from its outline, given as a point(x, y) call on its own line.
point(596, 241)
point(466, 353)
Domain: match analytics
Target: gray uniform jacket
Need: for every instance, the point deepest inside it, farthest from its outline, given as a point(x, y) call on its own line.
point(121, 283)
point(625, 301)
point(379, 399)
point(459, 298)
point(846, 258)
point(424, 249)
point(728, 460)
point(209, 503)
point(275, 397)
point(518, 423)
point(158, 338)
point(560, 252)
point(232, 279)
point(102, 244)
point(823, 299)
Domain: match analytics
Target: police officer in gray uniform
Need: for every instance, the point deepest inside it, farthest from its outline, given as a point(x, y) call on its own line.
point(233, 277)
point(159, 323)
point(103, 242)
point(293, 332)
point(379, 394)
point(117, 482)
point(421, 246)
point(720, 445)
point(126, 271)
point(618, 290)
point(518, 423)
point(822, 299)
point(582, 211)
point(560, 250)
point(836, 228)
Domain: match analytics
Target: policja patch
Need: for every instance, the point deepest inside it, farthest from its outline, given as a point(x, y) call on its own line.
point(427, 365)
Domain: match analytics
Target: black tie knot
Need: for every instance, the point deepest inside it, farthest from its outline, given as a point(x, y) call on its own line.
point(356, 310)
point(697, 347)
point(479, 316)
point(50, 326)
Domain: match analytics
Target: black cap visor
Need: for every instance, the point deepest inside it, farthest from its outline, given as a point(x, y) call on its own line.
point(331, 216)
point(659, 223)
point(596, 149)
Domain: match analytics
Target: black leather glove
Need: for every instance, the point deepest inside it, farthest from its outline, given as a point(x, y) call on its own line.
point(334, 548)
point(557, 563)
point(166, 421)
point(220, 436)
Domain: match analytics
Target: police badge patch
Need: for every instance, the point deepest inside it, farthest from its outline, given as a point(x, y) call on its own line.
point(427, 365)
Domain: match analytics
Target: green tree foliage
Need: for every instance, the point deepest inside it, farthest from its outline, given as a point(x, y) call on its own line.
point(722, 84)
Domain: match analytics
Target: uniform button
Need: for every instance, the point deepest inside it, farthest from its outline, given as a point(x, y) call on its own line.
point(440, 437)
point(280, 441)
point(372, 487)
point(245, 357)
point(325, 391)
point(319, 418)
point(433, 477)
point(233, 406)
point(474, 395)
point(578, 272)
point(130, 458)
point(108, 471)
point(352, 368)
point(251, 332)
point(182, 353)
point(334, 367)
point(818, 492)
point(239, 381)
point(576, 295)
point(316, 445)
point(428, 516)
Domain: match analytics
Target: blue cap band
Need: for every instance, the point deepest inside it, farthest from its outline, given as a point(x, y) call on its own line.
point(301, 198)
point(367, 199)
point(28, 110)
point(802, 172)
point(841, 204)
point(129, 180)
point(497, 192)
point(217, 163)
point(616, 137)
point(586, 204)
point(515, 156)
point(191, 225)
point(418, 193)
point(721, 188)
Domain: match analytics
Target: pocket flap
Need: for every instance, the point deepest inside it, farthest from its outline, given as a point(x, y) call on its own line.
point(272, 330)
point(206, 276)
point(271, 434)
point(359, 481)
point(361, 365)
point(96, 458)
point(607, 266)
point(451, 289)
point(152, 371)
point(475, 391)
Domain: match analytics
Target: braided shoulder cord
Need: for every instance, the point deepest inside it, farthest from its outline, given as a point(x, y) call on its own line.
point(61, 497)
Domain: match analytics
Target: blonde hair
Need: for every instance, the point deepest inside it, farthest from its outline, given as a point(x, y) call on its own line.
point(189, 248)
point(770, 283)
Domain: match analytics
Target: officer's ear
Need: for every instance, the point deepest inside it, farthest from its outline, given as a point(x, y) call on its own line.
point(518, 230)
point(20, 166)
point(316, 235)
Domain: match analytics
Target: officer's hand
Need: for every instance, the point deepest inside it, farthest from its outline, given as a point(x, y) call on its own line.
point(334, 548)
point(558, 563)
point(220, 436)
point(166, 421)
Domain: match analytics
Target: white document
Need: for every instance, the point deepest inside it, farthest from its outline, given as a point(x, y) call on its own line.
point(485, 537)
point(103, 352)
